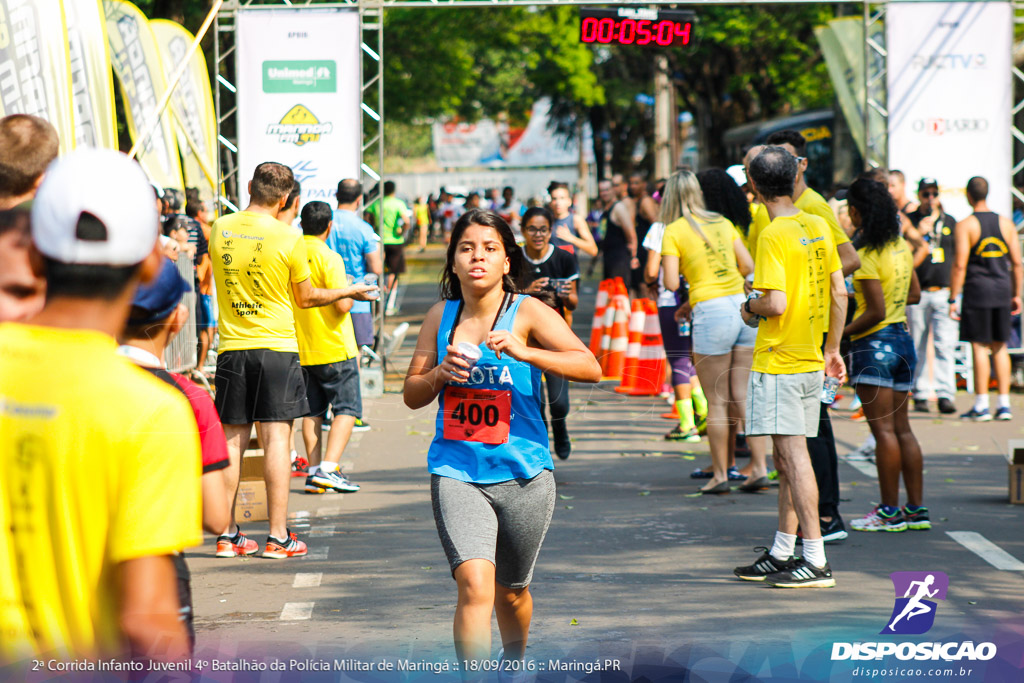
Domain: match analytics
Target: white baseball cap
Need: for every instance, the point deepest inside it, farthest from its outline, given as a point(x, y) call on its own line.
point(738, 174)
point(95, 207)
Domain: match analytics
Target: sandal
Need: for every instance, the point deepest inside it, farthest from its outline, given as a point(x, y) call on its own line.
point(734, 475)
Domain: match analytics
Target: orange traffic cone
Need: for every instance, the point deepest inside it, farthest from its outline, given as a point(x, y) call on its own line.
point(614, 362)
point(636, 332)
point(652, 355)
point(597, 326)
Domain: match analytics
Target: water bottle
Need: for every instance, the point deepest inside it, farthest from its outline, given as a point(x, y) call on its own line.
point(828, 391)
point(371, 279)
point(684, 328)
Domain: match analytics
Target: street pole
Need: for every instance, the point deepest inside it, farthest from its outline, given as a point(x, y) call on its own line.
point(662, 119)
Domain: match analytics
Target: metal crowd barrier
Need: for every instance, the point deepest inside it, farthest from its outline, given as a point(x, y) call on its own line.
point(181, 353)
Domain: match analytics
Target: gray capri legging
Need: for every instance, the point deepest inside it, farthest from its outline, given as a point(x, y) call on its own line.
point(502, 523)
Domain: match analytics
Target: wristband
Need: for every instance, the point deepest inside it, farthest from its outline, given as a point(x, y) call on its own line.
point(746, 307)
point(951, 301)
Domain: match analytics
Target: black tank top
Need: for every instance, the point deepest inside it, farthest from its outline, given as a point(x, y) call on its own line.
point(642, 225)
point(614, 237)
point(987, 283)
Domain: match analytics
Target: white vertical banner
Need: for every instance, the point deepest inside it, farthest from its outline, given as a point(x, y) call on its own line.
point(298, 96)
point(949, 80)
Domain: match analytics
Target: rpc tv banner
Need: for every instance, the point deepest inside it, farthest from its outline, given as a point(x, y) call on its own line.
point(298, 96)
point(949, 80)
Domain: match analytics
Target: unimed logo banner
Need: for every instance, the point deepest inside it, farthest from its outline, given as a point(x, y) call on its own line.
point(298, 96)
point(949, 79)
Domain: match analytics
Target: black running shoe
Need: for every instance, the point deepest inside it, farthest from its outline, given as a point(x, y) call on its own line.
point(917, 518)
point(801, 574)
point(762, 567)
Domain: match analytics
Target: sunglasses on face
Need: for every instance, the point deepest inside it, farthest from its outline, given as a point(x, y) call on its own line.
point(537, 231)
point(929, 193)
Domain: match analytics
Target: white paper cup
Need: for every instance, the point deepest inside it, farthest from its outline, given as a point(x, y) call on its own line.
point(471, 352)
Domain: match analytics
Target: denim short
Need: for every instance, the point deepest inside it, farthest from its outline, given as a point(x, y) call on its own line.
point(718, 326)
point(204, 305)
point(885, 358)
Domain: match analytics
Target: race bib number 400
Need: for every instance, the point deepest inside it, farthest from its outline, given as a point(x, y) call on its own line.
point(480, 415)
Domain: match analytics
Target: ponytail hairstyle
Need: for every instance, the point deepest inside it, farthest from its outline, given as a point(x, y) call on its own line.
point(451, 288)
point(879, 219)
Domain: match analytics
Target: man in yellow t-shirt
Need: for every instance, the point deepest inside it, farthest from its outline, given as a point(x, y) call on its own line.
point(260, 266)
point(86, 568)
point(330, 358)
point(824, 458)
point(806, 200)
point(800, 277)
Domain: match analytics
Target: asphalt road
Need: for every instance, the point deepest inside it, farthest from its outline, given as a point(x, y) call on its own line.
point(636, 566)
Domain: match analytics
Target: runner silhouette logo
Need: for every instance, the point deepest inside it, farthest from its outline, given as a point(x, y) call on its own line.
point(914, 611)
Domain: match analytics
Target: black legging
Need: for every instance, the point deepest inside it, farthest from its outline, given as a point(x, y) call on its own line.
point(558, 401)
point(825, 461)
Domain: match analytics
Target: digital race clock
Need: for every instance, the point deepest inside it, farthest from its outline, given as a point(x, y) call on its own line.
point(636, 26)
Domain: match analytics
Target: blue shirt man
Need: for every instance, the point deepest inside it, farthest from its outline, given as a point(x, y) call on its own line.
point(359, 247)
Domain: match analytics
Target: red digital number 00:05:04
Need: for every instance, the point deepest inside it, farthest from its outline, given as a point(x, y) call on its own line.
point(631, 31)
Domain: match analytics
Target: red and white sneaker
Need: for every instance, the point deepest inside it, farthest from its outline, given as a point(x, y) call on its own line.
point(239, 544)
point(278, 550)
point(300, 467)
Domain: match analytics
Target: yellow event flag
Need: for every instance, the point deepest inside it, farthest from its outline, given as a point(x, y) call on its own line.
point(192, 105)
point(92, 86)
point(35, 77)
point(140, 74)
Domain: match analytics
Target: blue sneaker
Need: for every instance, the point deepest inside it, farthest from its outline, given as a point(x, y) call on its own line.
point(1003, 414)
point(978, 415)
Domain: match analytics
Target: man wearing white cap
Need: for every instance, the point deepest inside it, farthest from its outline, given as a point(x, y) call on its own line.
point(92, 449)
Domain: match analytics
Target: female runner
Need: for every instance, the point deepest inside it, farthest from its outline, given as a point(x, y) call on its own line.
point(492, 486)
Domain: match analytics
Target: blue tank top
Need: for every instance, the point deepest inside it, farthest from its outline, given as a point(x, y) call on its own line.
point(570, 223)
point(526, 453)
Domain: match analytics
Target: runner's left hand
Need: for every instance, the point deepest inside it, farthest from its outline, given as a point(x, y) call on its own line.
point(503, 341)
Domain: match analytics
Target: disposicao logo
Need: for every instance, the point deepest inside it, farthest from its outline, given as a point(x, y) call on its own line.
point(913, 614)
point(300, 76)
point(299, 127)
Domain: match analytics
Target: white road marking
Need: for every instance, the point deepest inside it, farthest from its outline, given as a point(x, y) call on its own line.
point(325, 530)
point(866, 468)
point(316, 554)
point(311, 580)
point(327, 512)
point(297, 611)
point(987, 550)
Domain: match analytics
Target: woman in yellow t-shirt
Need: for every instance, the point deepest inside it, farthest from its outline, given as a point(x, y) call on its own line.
point(706, 249)
point(883, 356)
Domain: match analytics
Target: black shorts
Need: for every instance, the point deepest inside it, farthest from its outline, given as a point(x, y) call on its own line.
point(259, 385)
point(394, 258)
point(335, 385)
point(985, 325)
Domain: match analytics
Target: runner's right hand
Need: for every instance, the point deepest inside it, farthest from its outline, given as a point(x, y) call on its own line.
point(363, 292)
point(453, 367)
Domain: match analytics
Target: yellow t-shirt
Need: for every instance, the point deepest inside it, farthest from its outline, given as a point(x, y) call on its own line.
point(811, 202)
point(99, 464)
point(256, 259)
point(710, 270)
point(324, 335)
point(893, 267)
point(795, 255)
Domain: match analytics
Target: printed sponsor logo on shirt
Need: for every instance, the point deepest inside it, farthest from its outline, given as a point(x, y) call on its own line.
point(299, 127)
point(229, 234)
